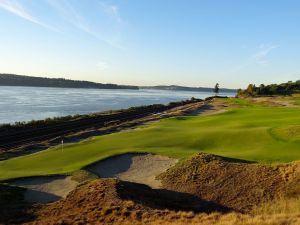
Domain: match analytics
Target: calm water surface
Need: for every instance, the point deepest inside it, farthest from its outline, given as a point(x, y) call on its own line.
point(28, 103)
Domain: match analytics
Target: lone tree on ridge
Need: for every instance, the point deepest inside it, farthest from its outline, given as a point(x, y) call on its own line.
point(216, 89)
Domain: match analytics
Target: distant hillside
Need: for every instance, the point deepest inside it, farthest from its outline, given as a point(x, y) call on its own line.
point(182, 88)
point(20, 80)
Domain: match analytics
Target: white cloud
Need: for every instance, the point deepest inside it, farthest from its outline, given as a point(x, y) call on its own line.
point(19, 10)
point(102, 65)
point(263, 52)
point(77, 19)
point(113, 11)
point(70, 14)
point(260, 57)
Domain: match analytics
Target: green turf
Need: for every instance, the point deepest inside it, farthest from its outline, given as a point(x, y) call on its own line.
point(249, 132)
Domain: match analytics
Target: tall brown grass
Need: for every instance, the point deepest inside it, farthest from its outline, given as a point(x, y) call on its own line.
point(279, 206)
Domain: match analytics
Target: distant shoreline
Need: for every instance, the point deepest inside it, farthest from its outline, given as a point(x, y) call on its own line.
point(184, 88)
point(88, 88)
point(29, 81)
point(13, 80)
point(139, 89)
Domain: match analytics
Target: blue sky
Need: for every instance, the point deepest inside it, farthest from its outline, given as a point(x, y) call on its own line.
point(193, 43)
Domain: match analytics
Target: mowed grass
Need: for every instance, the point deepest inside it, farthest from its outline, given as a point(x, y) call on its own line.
point(245, 132)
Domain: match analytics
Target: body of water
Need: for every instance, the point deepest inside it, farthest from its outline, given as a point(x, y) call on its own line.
point(34, 103)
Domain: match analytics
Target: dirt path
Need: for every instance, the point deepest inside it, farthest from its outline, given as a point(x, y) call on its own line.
point(139, 168)
point(45, 189)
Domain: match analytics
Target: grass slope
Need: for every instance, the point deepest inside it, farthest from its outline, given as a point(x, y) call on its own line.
point(247, 131)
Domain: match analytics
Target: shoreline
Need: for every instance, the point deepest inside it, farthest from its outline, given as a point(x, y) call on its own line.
point(24, 139)
point(24, 104)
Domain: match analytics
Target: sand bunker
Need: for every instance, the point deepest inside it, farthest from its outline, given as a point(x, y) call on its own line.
point(45, 189)
point(138, 168)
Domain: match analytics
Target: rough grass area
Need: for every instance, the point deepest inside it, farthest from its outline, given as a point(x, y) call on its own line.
point(283, 205)
point(83, 176)
point(296, 99)
point(117, 202)
point(243, 132)
point(233, 183)
point(287, 133)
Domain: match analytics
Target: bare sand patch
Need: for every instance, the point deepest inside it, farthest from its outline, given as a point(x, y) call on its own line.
point(138, 168)
point(45, 189)
point(275, 101)
point(209, 109)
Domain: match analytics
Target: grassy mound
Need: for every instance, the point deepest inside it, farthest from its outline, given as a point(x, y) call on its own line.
point(236, 184)
point(109, 201)
point(208, 189)
point(113, 201)
point(287, 133)
point(241, 132)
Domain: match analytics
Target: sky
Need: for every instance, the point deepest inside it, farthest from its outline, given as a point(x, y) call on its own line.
point(138, 42)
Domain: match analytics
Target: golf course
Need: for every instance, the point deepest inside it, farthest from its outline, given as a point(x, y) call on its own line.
point(263, 130)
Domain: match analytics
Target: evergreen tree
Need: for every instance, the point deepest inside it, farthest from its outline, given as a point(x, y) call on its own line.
point(216, 88)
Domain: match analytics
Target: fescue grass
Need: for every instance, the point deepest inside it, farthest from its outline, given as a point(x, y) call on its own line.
point(279, 206)
point(245, 131)
point(296, 99)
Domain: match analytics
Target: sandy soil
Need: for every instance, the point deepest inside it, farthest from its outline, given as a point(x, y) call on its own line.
point(138, 168)
point(45, 189)
point(275, 101)
point(209, 109)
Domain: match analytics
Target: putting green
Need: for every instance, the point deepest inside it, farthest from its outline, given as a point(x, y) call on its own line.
point(248, 132)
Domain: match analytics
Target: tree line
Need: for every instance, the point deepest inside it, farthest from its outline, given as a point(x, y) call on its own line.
point(20, 80)
point(272, 89)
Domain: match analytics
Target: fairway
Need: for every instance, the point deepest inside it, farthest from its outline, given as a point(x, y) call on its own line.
point(250, 132)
